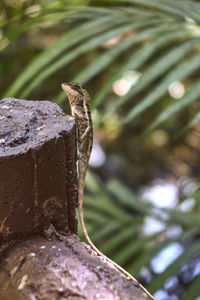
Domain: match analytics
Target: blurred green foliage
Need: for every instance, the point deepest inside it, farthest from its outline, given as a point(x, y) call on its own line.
point(140, 62)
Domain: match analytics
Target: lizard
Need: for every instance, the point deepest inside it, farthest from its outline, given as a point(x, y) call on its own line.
point(80, 109)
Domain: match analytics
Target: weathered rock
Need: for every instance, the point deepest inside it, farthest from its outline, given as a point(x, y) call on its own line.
point(66, 269)
point(40, 255)
point(37, 168)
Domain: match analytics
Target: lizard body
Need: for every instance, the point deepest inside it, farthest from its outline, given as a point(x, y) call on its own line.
point(80, 109)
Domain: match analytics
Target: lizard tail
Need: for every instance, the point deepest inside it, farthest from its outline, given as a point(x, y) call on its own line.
point(80, 198)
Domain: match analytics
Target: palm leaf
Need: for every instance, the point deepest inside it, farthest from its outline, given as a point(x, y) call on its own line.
point(109, 23)
point(66, 41)
point(189, 97)
point(163, 44)
point(91, 44)
point(187, 255)
point(192, 291)
point(180, 72)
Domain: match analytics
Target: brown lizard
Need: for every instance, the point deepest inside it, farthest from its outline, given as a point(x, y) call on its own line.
point(80, 109)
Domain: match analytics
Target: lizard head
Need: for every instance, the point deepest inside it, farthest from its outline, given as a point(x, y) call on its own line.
point(74, 91)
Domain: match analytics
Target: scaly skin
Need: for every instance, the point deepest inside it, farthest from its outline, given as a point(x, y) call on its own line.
point(80, 108)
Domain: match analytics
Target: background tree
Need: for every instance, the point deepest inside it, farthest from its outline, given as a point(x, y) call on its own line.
point(140, 61)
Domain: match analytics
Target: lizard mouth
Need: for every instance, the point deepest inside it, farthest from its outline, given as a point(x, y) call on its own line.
point(67, 88)
point(72, 88)
point(65, 84)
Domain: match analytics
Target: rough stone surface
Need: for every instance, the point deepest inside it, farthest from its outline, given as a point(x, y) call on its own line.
point(40, 256)
point(38, 168)
point(65, 269)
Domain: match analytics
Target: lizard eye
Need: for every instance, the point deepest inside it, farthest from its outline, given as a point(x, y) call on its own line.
point(77, 89)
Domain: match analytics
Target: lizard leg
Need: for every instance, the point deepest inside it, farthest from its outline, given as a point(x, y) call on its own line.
point(85, 133)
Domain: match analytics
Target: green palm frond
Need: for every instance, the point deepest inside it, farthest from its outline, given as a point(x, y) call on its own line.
point(187, 255)
point(193, 290)
point(171, 26)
